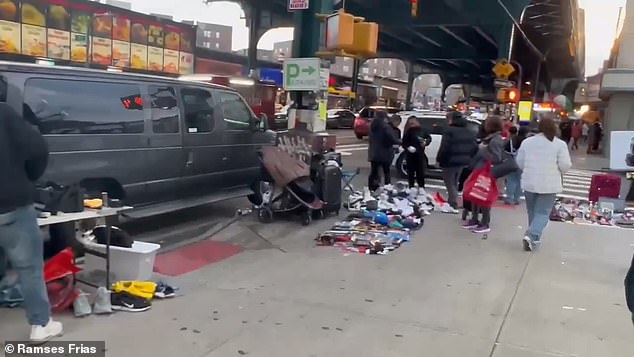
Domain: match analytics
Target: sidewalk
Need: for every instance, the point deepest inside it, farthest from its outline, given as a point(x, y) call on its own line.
point(447, 293)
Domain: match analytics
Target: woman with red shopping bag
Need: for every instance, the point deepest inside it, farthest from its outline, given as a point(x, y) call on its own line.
point(481, 187)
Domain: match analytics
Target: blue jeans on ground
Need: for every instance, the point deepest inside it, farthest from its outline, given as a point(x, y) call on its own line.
point(513, 188)
point(22, 242)
point(538, 206)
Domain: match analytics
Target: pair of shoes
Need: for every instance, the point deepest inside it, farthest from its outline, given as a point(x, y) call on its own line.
point(124, 301)
point(44, 333)
point(481, 229)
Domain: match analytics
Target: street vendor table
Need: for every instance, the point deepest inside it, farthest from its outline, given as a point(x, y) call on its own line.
point(108, 214)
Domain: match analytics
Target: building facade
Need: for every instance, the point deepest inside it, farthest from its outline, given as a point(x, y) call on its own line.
point(214, 37)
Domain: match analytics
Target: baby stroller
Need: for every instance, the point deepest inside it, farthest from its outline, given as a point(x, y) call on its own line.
point(291, 188)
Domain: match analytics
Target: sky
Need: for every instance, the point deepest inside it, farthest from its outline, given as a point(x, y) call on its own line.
point(601, 21)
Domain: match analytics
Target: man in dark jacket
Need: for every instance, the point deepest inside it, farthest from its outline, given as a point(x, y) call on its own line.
point(456, 151)
point(380, 150)
point(629, 289)
point(23, 159)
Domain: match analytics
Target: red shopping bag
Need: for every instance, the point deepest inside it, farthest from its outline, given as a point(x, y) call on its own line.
point(481, 187)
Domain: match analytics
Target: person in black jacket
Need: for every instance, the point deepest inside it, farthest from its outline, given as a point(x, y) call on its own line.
point(457, 149)
point(380, 150)
point(513, 180)
point(629, 289)
point(415, 140)
point(23, 159)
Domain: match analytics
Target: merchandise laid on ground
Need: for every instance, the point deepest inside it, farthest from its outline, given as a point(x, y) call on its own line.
point(381, 222)
point(606, 213)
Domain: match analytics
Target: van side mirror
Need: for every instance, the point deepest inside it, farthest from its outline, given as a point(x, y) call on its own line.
point(262, 123)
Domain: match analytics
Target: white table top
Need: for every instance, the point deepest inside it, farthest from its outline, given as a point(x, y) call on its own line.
point(81, 216)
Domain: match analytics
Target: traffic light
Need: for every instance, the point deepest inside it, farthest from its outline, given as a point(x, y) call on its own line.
point(509, 95)
point(415, 7)
point(351, 35)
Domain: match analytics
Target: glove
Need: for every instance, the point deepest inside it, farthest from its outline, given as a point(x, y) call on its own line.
point(411, 149)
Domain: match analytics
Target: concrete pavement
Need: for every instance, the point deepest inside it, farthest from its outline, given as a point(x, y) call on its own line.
point(447, 293)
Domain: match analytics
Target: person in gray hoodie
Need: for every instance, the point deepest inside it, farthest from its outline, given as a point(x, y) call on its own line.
point(491, 150)
point(23, 160)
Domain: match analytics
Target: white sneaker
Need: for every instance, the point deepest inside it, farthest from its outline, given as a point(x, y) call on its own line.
point(528, 244)
point(45, 333)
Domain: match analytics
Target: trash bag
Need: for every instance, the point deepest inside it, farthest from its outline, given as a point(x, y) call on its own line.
point(59, 276)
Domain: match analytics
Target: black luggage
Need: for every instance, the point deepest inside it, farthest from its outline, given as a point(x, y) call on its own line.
point(329, 188)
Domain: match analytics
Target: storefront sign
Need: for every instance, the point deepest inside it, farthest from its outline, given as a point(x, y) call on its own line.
point(82, 31)
point(294, 5)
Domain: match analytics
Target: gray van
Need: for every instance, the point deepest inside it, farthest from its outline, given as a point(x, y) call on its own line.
point(157, 143)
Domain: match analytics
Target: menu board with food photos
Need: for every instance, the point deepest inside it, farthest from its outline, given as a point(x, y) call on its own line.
point(82, 31)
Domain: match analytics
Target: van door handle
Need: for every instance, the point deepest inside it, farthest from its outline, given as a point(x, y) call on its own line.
point(190, 159)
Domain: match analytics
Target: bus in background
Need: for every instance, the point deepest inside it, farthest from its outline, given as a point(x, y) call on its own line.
point(260, 95)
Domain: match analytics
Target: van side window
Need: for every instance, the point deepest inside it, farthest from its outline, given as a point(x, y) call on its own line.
point(236, 114)
point(165, 112)
point(80, 107)
point(199, 110)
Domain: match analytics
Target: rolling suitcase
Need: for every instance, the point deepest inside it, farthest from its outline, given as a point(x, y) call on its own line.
point(329, 182)
point(604, 186)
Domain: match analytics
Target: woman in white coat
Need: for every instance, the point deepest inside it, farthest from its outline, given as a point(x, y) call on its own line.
point(543, 159)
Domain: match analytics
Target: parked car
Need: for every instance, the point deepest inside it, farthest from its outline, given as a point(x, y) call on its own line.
point(340, 118)
point(159, 144)
point(362, 122)
point(434, 123)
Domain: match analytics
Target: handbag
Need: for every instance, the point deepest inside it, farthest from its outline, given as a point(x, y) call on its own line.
point(507, 166)
point(481, 187)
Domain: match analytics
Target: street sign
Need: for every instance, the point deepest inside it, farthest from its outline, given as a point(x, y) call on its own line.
point(294, 5)
point(503, 69)
point(302, 74)
point(324, 77)
point(503, 83)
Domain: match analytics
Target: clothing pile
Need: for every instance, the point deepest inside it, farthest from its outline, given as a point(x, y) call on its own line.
point(585, 212)
point(373, 232)
point(399, 198)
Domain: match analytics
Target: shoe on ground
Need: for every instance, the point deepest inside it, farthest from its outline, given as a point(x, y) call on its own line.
point(124, 301)
point(481, 229)
point(44, 333)
point(102, 302)
point(470, 225)
point(164, 291)
point(528, 244)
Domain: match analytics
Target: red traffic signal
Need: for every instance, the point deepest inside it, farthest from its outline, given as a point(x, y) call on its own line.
point(513, 95)
point(509, 95)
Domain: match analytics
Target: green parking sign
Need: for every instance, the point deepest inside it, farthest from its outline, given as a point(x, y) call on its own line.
point(302, 74)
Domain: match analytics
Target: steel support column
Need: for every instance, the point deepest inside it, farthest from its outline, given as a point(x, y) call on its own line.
point(356, 69)
point(254, 37)
point(411, 76)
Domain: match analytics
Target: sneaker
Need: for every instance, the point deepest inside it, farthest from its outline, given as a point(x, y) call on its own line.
point(164, 291)
point(481, 229)
point(102, 302)
point(44, 333)
point(124, 301)
point(471, 225)
point(528, 244)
